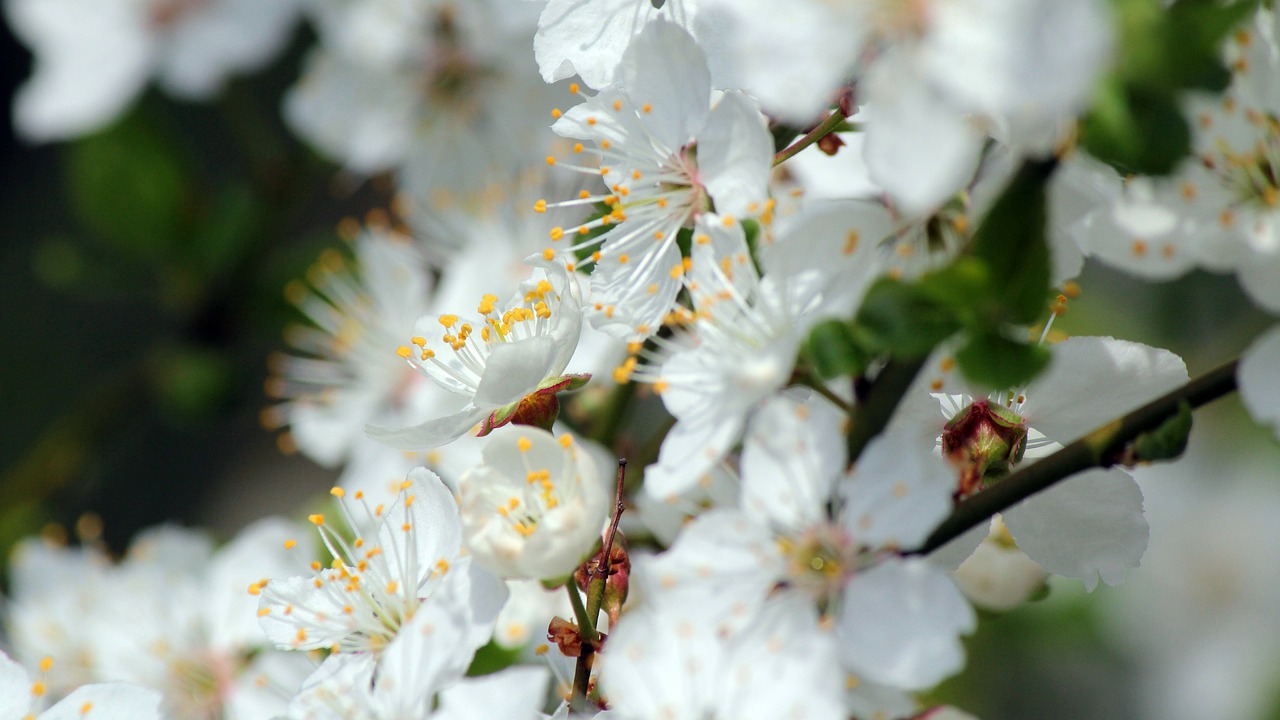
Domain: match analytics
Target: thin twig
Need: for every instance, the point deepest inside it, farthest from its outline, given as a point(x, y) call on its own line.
point(824, 128)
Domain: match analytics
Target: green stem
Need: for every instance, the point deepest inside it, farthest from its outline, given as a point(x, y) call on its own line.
point(587, 632)
point(1103, 448)
point(815, 384)
point(824, 128)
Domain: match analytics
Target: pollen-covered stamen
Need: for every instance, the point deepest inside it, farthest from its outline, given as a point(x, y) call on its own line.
point(374, 583)
point(459, 357)
point(523, 511)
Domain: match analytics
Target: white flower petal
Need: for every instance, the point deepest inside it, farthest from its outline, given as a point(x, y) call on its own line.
point(1259, 378)
point(92, 59)
point(514, 370)
point(109, 701)
point(781, 665)
point(897, 493)
point(735, 155)
point(517, 693)
point(430, 434)
point(1095, 379)
point(665, 69)
point(1089, 527)
point(790, 461)
point(918, 148)
point(900, 625)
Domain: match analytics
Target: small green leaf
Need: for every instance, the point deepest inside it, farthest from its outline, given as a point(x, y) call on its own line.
point(833, 351)
point(1012, 244)
point(1167, 441)
point(995, 361)
point(129, 185)
point(903, 320)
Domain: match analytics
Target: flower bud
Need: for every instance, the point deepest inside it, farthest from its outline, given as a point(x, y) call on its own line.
point(534, 507)
point(985, 440)
point(998, 576)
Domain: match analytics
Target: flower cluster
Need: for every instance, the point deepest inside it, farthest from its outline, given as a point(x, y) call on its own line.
point(816, 389)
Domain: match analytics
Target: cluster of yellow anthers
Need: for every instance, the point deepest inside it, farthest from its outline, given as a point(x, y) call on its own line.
point(524, 516)
point(499, 327)
point(354, 562)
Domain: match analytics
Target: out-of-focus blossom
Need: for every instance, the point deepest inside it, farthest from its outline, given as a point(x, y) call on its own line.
point(94, 57)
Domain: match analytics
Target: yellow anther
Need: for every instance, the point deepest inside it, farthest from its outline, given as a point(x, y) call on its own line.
point(577, 148)
point(316, 519)
point(404, 352)
point(524, 444)
point(427, 354)
point(647, 108)
point(392, 587)
point(548, 254)
point(290, 544)
point(573, 88)
point(591, 121)
point(623, 259)
point(555, 113)
point(551, 160)
point(337, 492)
point(617, 104)
point(540, 206)
point(419, 341)
point(605, 144)
point(556, 233)
point(566, 441)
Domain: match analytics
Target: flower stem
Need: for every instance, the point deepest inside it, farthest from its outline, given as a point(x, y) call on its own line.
point(587, 632)
point(824, 128)
point(1102, 448)
point(598, 577)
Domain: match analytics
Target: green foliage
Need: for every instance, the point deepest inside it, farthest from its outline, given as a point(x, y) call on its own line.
point(995, 361)
point(1136, 123)
point(191, 382)
point(1000, 282)
point(904, 320)
point(1169, 440)
point(491, 658)
point(832, 350)
point(128, 185)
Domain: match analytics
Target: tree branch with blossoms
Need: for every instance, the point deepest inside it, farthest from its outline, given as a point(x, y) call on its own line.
point(1108, 445)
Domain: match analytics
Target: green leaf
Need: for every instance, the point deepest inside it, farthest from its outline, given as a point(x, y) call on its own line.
point(1012, 244)
point(227, 233)
point(903, 320)
point(995, 361)
point(129, 186)
point(192, 382)
point(1167, 441)
point(833, 351)
point(1136, 130)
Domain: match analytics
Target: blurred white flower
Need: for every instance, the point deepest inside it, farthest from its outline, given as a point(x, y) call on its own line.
point(173, 615)
point(22, 698)
point(94, 57)
point(444, 93)
point(345, 375)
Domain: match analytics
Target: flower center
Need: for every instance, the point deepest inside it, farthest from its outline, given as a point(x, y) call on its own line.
point(819, 560)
